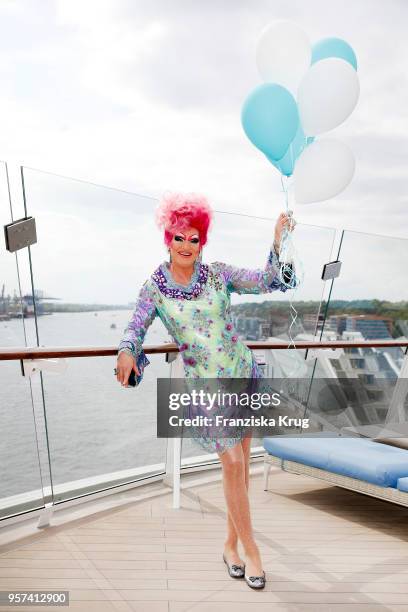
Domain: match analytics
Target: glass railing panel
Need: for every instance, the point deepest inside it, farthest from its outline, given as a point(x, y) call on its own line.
point(21, 477)
point(350, 403)
point(368, 302)
point(101, 434)
point(96, 246)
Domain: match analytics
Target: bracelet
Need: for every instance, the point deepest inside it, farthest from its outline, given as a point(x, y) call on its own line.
point(127, 350)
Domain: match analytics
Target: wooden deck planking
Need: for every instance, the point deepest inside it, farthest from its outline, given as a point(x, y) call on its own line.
point(323, 547)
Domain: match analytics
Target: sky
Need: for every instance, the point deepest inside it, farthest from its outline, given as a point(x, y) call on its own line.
point(146, 96)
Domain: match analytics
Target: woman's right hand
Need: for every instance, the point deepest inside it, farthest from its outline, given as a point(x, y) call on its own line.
point(125, 364)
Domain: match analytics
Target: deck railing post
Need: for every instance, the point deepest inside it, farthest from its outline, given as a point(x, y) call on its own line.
point(173, 460)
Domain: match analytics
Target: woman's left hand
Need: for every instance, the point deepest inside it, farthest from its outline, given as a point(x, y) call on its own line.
point(283, 220)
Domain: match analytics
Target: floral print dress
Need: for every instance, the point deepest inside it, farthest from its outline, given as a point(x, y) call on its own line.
point(198, 318)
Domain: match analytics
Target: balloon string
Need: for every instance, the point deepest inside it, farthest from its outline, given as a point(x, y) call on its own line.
point(294, 278)
point(292, 161)
point(285, 191)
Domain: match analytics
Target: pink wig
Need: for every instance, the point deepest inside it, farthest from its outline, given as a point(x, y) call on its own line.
point(177, 211)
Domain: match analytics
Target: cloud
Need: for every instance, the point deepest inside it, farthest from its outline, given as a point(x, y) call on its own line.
point(146, 96)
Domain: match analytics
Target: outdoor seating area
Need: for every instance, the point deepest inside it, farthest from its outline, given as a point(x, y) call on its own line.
point(324, 548)
point(379, 469)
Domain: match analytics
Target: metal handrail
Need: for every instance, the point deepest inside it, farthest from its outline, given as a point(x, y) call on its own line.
point(170, 347)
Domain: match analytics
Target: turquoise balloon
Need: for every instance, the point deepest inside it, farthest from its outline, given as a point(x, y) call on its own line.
point(334, 47)
point(286, 164)
point(270, 119)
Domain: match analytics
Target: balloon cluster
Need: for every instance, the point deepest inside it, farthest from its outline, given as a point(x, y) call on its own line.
point(307, 90)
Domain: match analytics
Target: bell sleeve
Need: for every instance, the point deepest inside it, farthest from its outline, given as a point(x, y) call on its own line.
point(143, 316)
point(243, 280)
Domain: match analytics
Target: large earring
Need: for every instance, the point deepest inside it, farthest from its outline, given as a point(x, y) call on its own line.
point(169, 255)
point(200, 255)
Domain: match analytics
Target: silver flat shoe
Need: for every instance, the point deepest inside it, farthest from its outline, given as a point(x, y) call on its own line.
point(235, 571)
point(256, 582)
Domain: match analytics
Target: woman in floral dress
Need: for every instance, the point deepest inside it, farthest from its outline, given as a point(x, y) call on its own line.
point(193, 301)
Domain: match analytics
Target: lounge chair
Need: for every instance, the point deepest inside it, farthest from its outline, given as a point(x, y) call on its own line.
point(371, 467)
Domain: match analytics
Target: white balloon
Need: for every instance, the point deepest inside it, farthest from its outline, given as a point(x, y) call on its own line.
point(327, 95)
point(323, 171)
point(283, 54)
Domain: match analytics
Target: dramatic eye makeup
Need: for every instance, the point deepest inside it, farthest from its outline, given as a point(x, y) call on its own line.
point(194, 239)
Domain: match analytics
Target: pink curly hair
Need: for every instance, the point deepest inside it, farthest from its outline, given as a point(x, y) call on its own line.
point(178, 211)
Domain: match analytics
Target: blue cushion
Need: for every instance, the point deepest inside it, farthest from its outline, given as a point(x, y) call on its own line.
point(304, 449)
point(359, 458)
point(402, 484)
